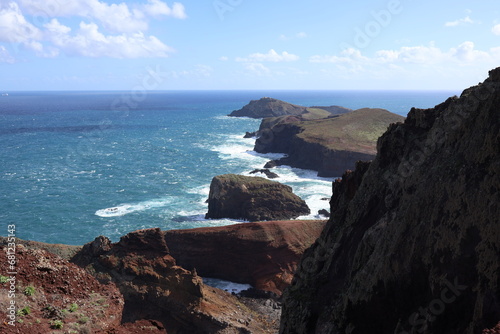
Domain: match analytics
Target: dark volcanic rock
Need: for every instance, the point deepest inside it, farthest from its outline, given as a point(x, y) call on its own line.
point(324, 212)
point(267, 172)
point(253, 199)
point(268, 107)
point(413, 242)
point(250, 134)
point(263, 254)
point(329, 146)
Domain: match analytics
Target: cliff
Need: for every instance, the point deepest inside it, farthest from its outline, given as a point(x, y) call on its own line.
point(155, 288)
point(136, 285)
point(330, 145)
point(413, 242)
point(253, 199)
point(263, 254)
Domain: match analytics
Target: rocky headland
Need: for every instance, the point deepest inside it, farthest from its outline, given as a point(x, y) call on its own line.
point(413, 242)
point(253, 199)
point(269, 107)
point(328, 145)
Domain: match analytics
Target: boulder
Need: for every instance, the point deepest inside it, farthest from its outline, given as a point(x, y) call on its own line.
point(253, 199)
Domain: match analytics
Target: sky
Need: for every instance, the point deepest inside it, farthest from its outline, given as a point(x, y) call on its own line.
point(141, 45)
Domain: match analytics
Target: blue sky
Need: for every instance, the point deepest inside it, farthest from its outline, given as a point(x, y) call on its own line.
point(242, 44)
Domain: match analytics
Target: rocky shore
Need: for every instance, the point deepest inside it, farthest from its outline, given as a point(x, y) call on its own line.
point(149, 281)
point(411, 246)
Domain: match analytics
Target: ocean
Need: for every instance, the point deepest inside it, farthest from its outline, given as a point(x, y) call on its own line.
point(67, 157)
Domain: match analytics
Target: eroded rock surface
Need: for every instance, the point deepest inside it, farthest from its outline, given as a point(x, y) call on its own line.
point(413, 242)
point(263, 254)
point(253, 199)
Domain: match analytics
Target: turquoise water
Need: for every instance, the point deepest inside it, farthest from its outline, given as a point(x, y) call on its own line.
point(75, 165)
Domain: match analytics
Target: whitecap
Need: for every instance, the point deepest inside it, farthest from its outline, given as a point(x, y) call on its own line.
point(124, 209)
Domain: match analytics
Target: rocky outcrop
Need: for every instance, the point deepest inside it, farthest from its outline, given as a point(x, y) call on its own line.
point(329, 146)
point(263, 254)
point(413, 242)
point(268, 107)
point(266, 172)
point(46, 292)
point(253, 199)
point(155, 288)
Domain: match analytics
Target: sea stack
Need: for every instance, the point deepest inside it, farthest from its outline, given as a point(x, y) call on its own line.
point(253, 199)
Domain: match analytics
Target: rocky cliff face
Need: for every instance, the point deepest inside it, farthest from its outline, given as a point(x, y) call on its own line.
point(253, 199)
point(263, 254)
point(155, 288)
point(330, 145)
point(413, 242)
point(268, 107)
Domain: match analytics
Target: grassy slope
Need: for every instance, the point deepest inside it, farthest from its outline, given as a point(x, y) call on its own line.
point(357, 130)
point(315, 113)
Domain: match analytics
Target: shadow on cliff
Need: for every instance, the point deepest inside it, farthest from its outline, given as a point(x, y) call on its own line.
point(413, 242)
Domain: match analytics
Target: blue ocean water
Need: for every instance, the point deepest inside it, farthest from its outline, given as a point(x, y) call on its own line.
point(76, 165)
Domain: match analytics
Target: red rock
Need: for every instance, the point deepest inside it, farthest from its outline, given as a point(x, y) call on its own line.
point(61, 291)
point(263, 254)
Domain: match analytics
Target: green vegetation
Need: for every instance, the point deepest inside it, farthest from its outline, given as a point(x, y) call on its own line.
point(315, 113)
point(56, 324)
point(3, 279)
point(357, 130)
point(83, 320)
point(73, 307)
point(24, 311)
point(29, 291)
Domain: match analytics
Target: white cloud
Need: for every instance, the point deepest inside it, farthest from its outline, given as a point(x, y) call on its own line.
point(419, 54)
point(465, 20)
point(258, 69)
point(88, 41)
point(271, 56)
point(14, 27)
point(301, 35)
point(348, 56)
point(117, 18)
point(157, 8)
point(496, 29)
point(466, 53)
point(223, 58)
point(462, 55)
point(126, 24)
